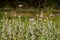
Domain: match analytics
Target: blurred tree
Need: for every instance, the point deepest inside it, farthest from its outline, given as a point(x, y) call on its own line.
point(34, 3)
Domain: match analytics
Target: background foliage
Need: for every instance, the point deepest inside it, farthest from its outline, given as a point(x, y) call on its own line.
point(30, 3)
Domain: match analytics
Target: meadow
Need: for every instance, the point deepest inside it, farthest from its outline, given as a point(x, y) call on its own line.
point(33, 25)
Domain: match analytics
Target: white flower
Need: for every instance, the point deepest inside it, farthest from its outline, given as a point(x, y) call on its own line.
point(5, 13)
point(5, 38)
point(31, 19)
point(37, 15)
point(19, 15)
point(46, 17)
point(41, 15)
point(43, 23)
point(20, 5)
point(50, 33)
point(2, 20)
point(40, 18)
point(51, 15)
point(34, 23)
point(13, 20)
point(9, 31)
point(45, 20)
point(9, 20)
point(15, 15)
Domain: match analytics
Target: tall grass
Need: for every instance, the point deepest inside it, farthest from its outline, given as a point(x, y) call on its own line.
point(26, 28)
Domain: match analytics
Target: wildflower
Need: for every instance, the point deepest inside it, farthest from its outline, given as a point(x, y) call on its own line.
point(45, 20)
point(13, 20)
point(37, 15)
point(31, 19)
point(34, 23)
point(47, 17)
point(9, 29)
point(5, 38)
point(50, 15)
point(19, 15)
point(15, 15)
point(41, 15)
point(5, 13)
point(43, 23)
point(20, 5)
point(51, 21)
point(50, 33)
point(2, 20)
point(9, 20)
point(40, 18)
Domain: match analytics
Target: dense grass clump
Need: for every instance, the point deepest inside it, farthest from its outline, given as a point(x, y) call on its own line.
point(39, 27)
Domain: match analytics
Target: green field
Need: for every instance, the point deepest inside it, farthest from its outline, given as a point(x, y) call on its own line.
point(33, 24)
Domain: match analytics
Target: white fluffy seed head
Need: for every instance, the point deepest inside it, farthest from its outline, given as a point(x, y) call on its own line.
point(20, 5)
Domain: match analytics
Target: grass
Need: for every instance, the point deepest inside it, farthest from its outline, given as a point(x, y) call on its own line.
point(43, 26)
